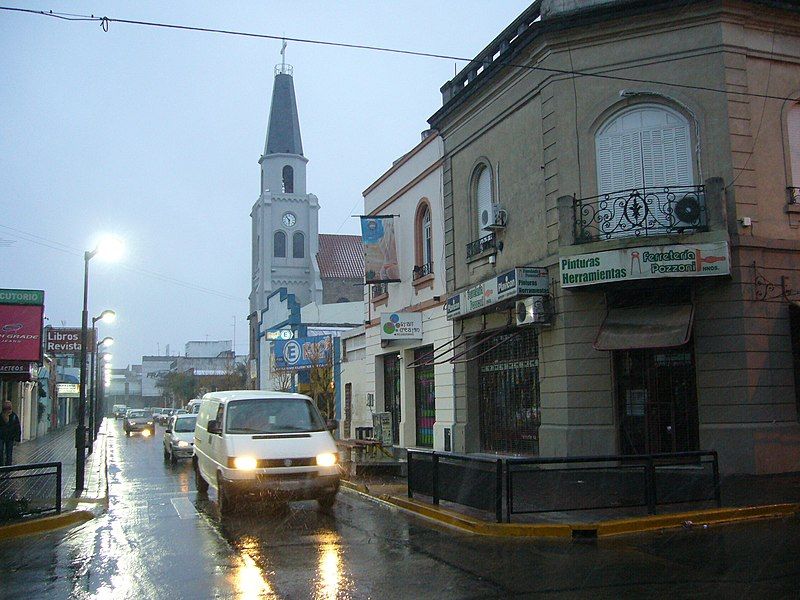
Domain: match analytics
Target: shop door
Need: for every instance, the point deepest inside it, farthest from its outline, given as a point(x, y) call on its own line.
point(391, 392)
point(657, 400)
point(509, 394)
point(424, 398)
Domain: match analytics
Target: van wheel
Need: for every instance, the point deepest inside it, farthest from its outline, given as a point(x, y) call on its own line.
point(326, 502)
point(127, 433)
point(225, 496)
point(200, 483)
point(173, 460)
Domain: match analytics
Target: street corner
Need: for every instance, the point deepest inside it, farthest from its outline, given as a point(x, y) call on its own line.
point(69, 518)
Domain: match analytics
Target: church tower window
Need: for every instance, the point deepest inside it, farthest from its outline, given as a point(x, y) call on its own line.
point(279, 245)
point(298, 245)
point(288, 180)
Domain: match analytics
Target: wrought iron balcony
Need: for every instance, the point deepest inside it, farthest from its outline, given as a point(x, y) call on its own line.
point(379, 289)
point(421, 271)
point(641, 213)
point(794, 195)
point(487, 242)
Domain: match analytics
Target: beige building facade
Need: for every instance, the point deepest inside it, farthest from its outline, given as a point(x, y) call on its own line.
point(646, 156)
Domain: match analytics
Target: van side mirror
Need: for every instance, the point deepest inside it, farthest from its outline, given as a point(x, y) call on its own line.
point(331, 424)
point(168, 431)
point(213, 427)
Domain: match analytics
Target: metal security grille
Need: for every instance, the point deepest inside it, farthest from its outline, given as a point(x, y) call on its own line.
point(391, 392)
point(657, 400)
point(424, 398)
point(510, 410)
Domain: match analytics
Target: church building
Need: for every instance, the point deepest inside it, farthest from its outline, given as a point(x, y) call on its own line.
point(292, 264)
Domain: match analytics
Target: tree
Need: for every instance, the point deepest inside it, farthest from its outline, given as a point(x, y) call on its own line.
point(179, 386)
point(320, 375)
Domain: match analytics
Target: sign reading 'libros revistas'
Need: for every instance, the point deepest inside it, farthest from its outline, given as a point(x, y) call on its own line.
point(651, 262)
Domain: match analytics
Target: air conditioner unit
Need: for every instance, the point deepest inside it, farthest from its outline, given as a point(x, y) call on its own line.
point(498, 220)
point(533, 310)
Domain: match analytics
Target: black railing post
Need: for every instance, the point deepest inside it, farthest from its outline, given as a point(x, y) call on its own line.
point(435, 479)
point(717, 490)
point(650, 485)
point(58, 488)
point(509, 493)
point(409, 460)
point(498, 490)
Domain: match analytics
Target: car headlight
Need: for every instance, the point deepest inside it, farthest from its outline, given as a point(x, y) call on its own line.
point(149, 422)
point(244, 463)
point(326, 459)
point(183, 444)
point(146, 433)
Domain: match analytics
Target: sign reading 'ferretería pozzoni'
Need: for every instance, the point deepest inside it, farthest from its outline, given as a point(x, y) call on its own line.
point(651, 262)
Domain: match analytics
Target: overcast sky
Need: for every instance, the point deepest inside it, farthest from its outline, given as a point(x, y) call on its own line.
point(154, 135)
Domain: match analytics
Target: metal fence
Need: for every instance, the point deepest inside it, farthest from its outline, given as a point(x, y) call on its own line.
point(29, 490)
point(509, 486)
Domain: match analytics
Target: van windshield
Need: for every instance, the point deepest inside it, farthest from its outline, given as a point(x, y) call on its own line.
point(278, 415)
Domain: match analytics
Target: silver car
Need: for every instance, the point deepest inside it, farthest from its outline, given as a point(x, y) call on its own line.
point(179, 437)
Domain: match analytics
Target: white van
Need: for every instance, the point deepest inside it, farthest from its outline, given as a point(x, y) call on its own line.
point(193, 406)
point(275, 443)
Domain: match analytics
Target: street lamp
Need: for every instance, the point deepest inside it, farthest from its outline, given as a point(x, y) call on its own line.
point(110, 249)
point(107, 316)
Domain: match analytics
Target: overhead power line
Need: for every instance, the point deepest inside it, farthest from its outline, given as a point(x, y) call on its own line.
point(105, 21)
point(55, 245)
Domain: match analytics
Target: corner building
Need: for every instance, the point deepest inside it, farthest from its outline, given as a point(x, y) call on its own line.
point(647, 156)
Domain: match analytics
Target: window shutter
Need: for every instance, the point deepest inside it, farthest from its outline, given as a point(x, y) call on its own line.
point(484, 193)
point(794, 144)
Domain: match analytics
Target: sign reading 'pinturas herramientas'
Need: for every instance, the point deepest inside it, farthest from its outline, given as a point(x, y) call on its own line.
point(651, 262)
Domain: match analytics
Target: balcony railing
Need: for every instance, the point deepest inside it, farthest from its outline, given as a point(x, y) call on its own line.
point(794, 195)
point(421, 271)
point(487, 242)
point(379, 289)
point(641, 213)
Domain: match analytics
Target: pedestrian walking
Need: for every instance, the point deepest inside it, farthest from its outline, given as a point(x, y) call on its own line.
point(10, 432)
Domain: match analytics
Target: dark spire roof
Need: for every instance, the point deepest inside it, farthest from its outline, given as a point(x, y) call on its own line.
point(283, 132)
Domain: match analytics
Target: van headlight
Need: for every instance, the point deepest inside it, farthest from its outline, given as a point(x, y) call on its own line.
point(326, 459)
point(244, 463)
point(183, 444)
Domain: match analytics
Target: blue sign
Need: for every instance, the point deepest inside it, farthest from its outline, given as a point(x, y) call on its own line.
point(302, 353)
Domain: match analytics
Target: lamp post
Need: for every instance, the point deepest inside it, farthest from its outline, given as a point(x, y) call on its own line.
point(107, 248)
point(107, 316)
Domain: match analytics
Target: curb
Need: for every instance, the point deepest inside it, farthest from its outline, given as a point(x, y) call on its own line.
point(65, 519)
point(601, 529)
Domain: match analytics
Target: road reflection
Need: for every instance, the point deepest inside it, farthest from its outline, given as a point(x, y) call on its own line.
point(248, 579)
point(329, 573)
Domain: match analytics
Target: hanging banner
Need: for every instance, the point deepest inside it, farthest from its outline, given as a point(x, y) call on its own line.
point(380, 249)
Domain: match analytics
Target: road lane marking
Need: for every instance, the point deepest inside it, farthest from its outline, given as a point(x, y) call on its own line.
point(184, 508)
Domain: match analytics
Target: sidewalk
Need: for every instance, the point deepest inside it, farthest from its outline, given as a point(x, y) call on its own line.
point(59, 446)
point(744, 498)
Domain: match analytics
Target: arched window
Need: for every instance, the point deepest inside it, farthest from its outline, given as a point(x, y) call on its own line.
point(423, 238)
point(288, 180)
point(298, 245)
point(483, 197)
point(279, 245)
point(647, 148)
point(793, 126)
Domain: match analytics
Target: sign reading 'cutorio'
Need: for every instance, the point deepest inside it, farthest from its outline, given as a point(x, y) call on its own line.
point(651, 262)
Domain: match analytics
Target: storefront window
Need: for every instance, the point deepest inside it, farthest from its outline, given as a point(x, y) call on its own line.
point(424, 398)
point(510, 410)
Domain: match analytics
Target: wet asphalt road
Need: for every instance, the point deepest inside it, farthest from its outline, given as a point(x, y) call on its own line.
point(160, 540)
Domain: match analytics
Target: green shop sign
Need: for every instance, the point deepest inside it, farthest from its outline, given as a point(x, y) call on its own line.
point(30, 297)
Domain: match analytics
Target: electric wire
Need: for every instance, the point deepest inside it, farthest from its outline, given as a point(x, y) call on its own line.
point(104, 21)
point(55, 245)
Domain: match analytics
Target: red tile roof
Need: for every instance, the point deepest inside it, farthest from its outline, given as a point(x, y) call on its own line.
point(340, 256)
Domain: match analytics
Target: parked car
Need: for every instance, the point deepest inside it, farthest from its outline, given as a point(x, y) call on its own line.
point(119, 410)
point(138, 419)
point(179, 437)
point(274, 443)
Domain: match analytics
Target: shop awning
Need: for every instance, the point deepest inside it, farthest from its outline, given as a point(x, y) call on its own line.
point(645, 327)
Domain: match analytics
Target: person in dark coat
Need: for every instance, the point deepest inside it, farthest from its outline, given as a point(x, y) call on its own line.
point(10, 432)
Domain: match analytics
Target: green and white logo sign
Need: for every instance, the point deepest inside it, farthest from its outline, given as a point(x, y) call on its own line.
point(649, 262)
point(401, 326)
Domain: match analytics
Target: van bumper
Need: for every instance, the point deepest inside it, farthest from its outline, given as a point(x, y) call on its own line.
point(299, 486)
